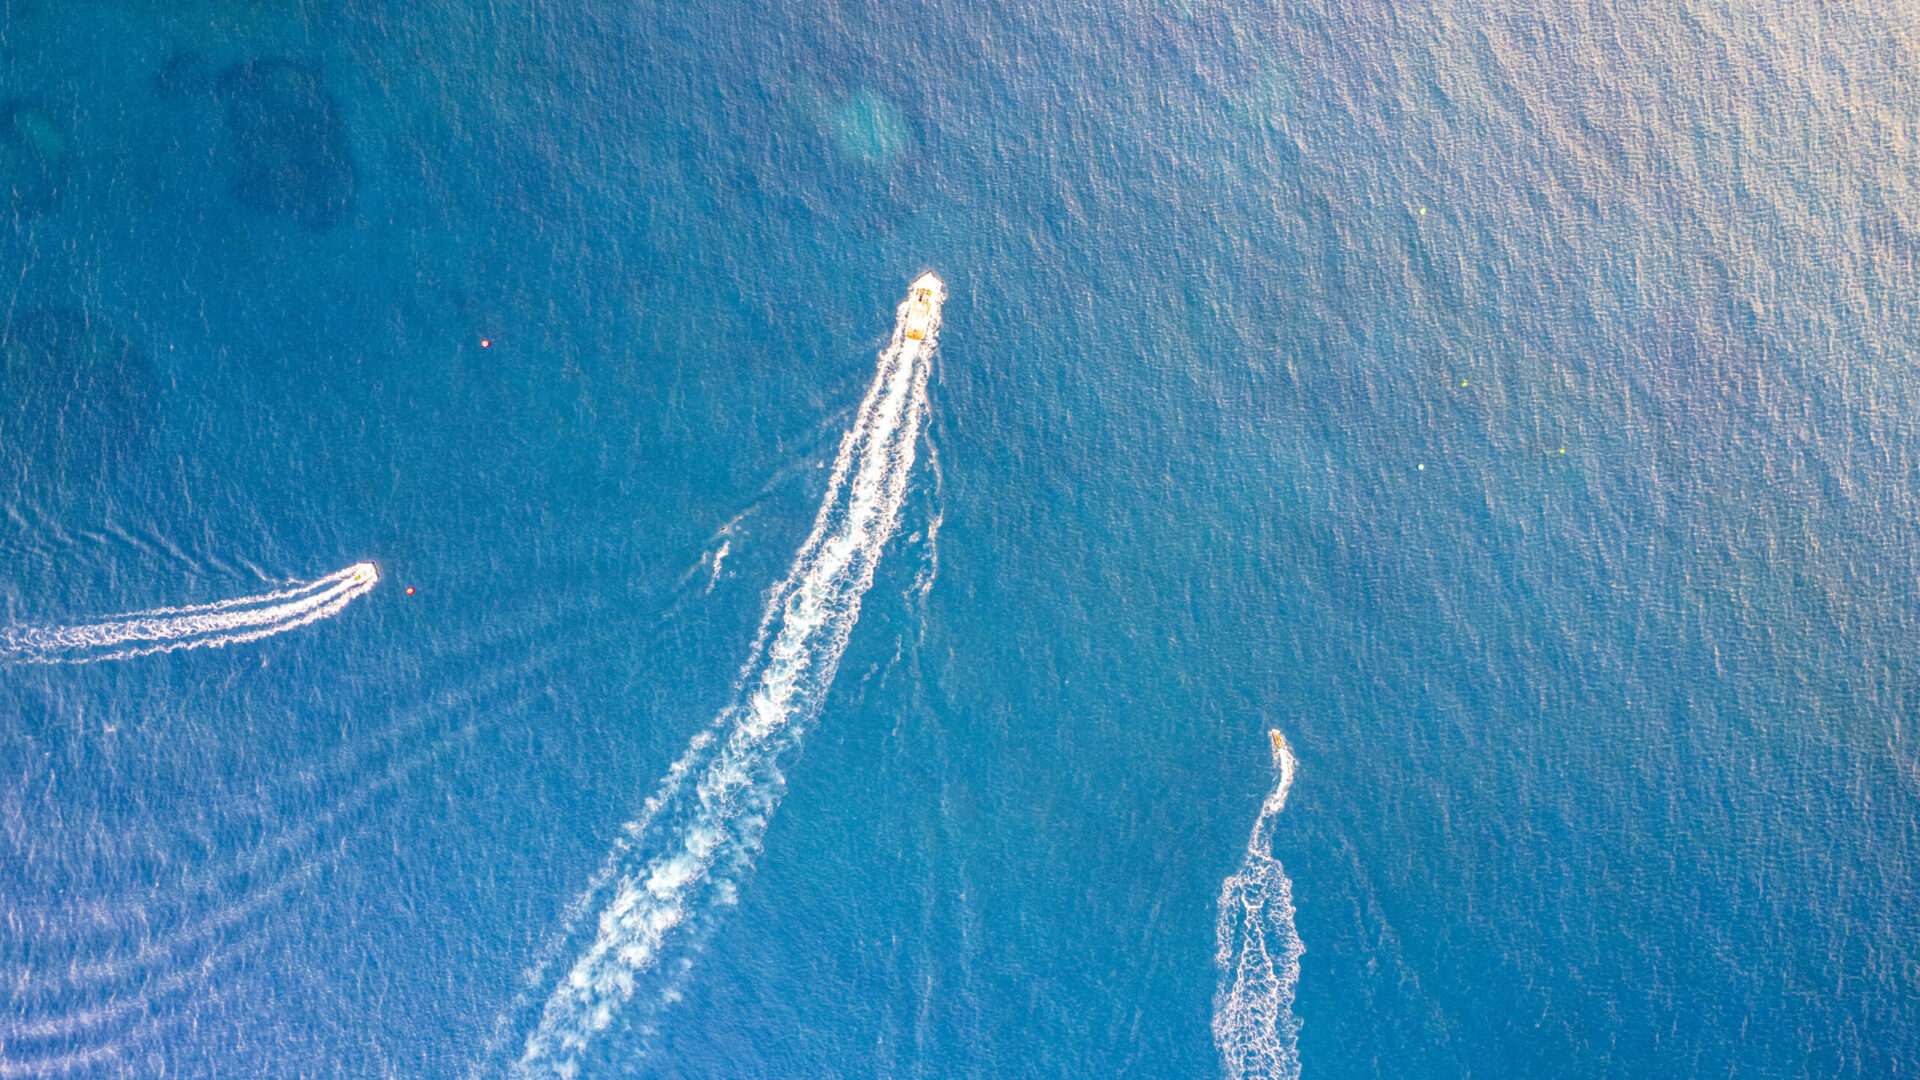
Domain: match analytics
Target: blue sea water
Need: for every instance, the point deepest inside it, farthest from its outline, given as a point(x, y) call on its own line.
point(1512, 403)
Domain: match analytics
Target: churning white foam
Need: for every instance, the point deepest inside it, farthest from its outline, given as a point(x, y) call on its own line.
point(1258, 954)
point(221, 623)
point(694, 843)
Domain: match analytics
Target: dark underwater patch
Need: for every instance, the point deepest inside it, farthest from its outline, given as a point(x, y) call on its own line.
point(33, 158)
point(290, 155)
point(75, 394)
point(185, 74)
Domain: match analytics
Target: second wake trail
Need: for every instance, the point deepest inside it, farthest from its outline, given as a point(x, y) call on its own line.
point(215, 625)
point(1258, 951)
point(695, 840)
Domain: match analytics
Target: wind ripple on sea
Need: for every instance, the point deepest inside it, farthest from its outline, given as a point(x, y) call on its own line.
point(95, 983)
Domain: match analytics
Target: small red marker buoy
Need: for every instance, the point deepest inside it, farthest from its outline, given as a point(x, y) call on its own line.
point(486, 343)
point(409, 590)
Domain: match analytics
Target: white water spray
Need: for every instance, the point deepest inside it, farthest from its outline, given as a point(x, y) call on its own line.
point(695, 841)
point(222, 623)
point(1259, 953)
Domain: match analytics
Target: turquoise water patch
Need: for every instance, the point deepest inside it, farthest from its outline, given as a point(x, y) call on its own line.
point(1271, 96)
point(867, 127)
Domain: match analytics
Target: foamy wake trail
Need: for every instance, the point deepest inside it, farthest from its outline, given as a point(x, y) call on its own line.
point(1258, 954)
point(224, 622)
point(695, 841)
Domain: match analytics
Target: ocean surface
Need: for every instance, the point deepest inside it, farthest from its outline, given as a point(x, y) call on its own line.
point(1515, 404)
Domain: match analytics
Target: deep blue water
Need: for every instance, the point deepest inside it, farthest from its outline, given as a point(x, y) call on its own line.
point(1268, 327)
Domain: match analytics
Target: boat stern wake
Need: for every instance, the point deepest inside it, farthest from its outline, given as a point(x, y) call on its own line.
point(1258, 952)
point(199, 626)
point(686, 856)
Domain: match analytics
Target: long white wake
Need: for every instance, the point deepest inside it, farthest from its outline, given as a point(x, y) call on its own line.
point(695, 840)
point(1259, 953)
point(222, 623)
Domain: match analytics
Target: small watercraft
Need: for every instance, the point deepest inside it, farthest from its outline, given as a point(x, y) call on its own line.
point(928, 292)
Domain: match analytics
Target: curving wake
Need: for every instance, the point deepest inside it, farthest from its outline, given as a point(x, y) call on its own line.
point(694, 843)
point(1259, 952)
point(222, 623)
